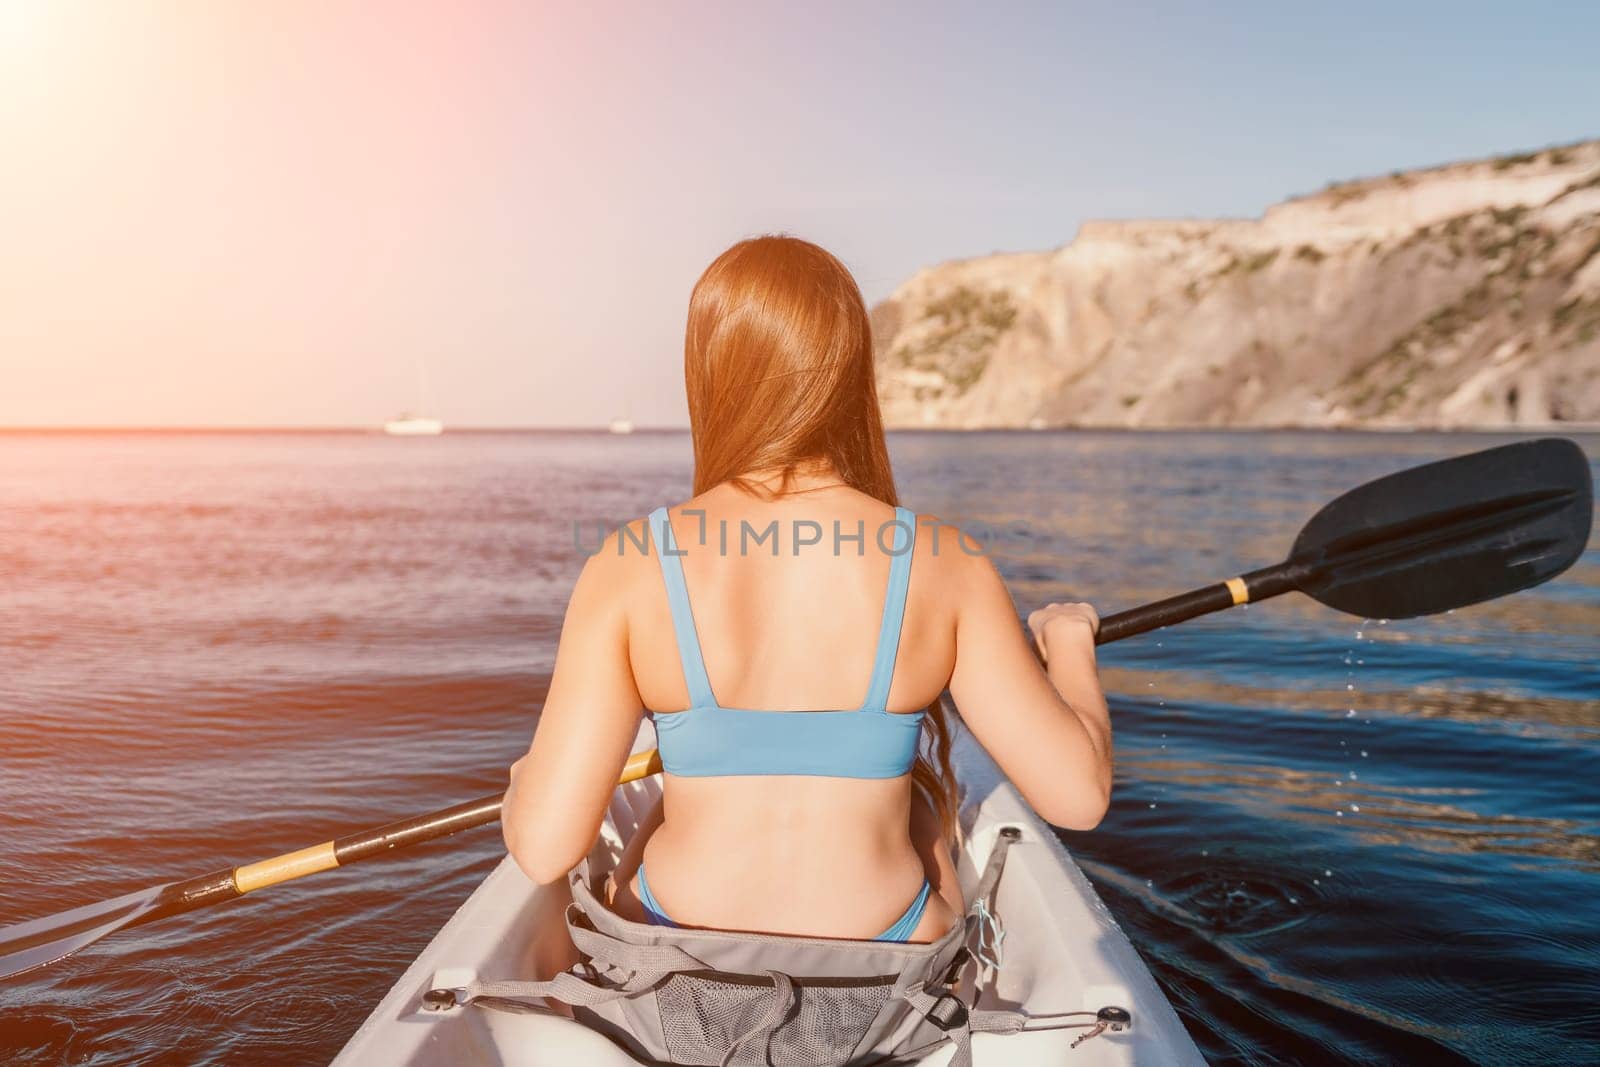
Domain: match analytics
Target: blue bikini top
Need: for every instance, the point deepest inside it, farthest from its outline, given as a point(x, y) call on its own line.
point(708, 740)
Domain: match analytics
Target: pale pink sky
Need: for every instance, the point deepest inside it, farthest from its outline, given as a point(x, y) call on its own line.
point(263, 213)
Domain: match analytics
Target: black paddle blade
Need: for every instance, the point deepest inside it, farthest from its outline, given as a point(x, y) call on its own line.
point(1452, 533)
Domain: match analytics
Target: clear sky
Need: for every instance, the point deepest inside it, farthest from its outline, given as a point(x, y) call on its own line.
point(265, 213)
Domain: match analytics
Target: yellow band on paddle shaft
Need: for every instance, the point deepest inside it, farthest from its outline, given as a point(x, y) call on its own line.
point(640, 765)
point(285, 867)
point(1240, 591)
point(321, 857)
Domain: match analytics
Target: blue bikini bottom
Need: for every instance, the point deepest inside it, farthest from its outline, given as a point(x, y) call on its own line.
point(902, 929)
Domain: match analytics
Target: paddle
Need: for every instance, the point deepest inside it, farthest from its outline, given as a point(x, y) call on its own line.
point(1440, 536)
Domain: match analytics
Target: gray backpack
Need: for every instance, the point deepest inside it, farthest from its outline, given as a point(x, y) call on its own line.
point(711, 997)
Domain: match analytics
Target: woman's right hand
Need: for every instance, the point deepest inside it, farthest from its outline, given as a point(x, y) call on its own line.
point(1055, 623)
point(1049, 730)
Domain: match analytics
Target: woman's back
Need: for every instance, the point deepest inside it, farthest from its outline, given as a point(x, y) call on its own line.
point(768, 615)
point(788, 604)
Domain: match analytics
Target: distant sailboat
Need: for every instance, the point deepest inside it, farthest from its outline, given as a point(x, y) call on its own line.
point(410, 424)
point(621, 425)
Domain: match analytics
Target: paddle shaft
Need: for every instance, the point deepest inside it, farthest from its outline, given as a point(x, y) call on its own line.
point(213, 888)
point(231, 882)
point(1247, 588)
point(228, 883)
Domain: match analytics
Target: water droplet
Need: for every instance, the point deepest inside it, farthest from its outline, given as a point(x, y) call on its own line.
point(1148, 882)
point(1355, 807)
point(1205, 852)
point(1363, 753)
point(1350, 687)
point(1327, 874)
point(1316, 881)
point(1350, 714)
point(1383, 622)
point(1354, 776)
point(1361, 662)
point(1152, 804)
point(1294, 900)
point(1338, 781)
point(1358, 635)
point(1340, 814)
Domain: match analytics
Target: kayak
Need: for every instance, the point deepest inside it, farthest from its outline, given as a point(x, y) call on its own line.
point(1061, 952)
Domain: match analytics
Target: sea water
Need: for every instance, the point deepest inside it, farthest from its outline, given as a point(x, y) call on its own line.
point(1332, 839)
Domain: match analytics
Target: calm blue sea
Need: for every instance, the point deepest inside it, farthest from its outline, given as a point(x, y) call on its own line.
point(1334, 840)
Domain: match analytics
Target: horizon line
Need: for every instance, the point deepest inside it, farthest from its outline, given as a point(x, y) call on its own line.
point(590, 428)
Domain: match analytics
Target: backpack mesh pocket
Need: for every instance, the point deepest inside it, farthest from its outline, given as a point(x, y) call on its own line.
point(704, 1012)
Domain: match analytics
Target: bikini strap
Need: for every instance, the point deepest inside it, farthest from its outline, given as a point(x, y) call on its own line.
point(694, 665)
point(894, 608)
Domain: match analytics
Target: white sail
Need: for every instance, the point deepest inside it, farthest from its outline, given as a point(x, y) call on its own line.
point(413, 426)
point(409, 424)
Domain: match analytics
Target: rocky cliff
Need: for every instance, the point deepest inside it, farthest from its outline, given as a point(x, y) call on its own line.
point(1465, 295)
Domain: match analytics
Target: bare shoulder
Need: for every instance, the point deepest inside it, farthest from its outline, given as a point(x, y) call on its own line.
point(616, 568)
point(949, 550)
point(953, 560)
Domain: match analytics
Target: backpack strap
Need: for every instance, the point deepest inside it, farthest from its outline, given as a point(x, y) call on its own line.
point(894, 608)
point(617, 969)
point(959, 1019)
point(959, 1022)
point(694, 664)
point(782, 1003)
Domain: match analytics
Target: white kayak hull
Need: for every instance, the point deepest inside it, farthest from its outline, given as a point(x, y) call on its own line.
point(1062, 952)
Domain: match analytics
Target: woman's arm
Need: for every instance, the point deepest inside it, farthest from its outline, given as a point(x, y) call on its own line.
point(559, 790)
point(1050, 733)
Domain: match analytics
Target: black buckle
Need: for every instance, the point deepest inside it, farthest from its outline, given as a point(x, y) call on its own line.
point(439, 1000)
point(952, 973)
point(948, 1013)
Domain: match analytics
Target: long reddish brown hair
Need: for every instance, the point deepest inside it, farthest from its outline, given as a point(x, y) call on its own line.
point(777, 360)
